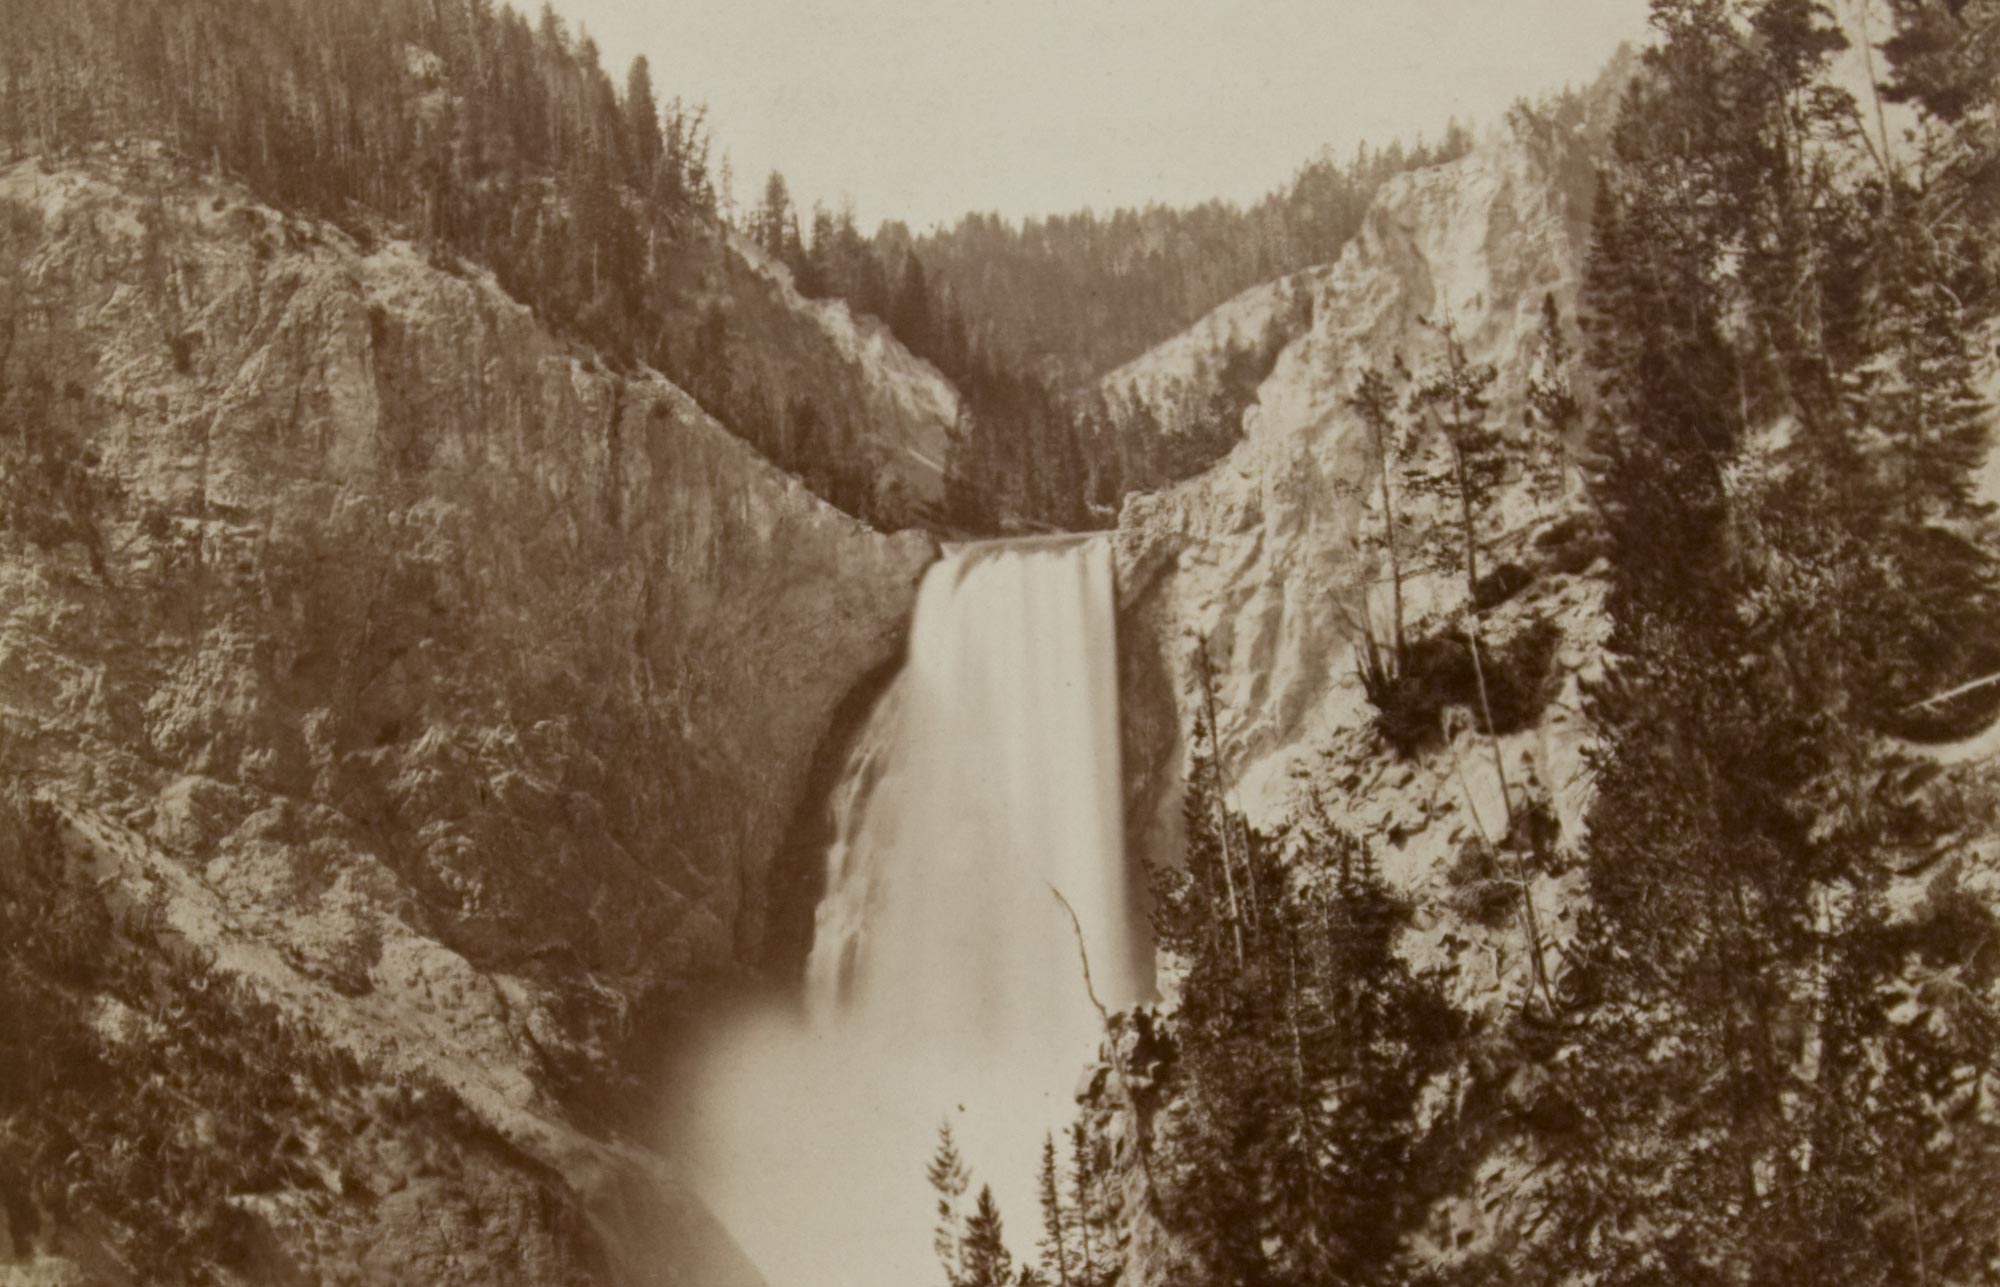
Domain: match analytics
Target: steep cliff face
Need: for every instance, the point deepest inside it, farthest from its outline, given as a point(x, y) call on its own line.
point(1267, 559)
point(911, 408)
point(1271, 558)
point(448, 687)
point(1263, 556)
point(1186, 358)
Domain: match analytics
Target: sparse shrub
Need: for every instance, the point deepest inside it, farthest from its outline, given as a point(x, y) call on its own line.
point(1953, 929)
point(350, 974)
point(1535, 833)
point(1439, 673)
point(1482, 891)
point(1570, 544)
point(1928, 607)
point(1500, 585)
point(148, 1142)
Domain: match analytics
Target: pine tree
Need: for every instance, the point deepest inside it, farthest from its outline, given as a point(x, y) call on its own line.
point(710, 365)
point(1203, 906)
point(969, 474)
point(1058, 1221)
point(911, 315)
point(642, 116)
point(775, 225)
point(1945, 57)
point(1452, 395)
point(983, 1253)
point(1374, 400)
point(1926, 402)
point(1299, 1064)
point(725, 194)
point(818, 266)
point(1090, 1223)
point(1553, 409)
point(949, 1179)
point(1736, 977)
point(1671, 401)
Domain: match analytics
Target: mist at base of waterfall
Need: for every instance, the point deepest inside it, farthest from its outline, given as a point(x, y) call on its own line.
point(945, 982)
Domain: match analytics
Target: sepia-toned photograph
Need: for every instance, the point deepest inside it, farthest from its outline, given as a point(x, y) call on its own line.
point(1013, 643)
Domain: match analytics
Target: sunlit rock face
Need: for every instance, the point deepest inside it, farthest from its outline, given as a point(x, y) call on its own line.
point(469, 682)
point(945, 983)
point(1266, 558)
point(1261, 555)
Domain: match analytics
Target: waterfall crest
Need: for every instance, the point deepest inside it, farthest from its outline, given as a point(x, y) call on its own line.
point(944, 981)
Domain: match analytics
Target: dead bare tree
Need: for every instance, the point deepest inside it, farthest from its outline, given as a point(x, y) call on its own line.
point(1117, 1057)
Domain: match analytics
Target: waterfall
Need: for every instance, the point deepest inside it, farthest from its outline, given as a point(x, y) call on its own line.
point(944, 982)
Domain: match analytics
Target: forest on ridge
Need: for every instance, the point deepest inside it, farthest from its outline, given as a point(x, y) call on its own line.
point(507, 141)
point(1766, 1054)
point(1748, 1026)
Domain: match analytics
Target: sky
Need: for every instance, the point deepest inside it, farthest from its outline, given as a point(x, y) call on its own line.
point(926, 109)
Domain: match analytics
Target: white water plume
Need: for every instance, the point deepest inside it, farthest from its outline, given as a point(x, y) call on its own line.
point(944, 981)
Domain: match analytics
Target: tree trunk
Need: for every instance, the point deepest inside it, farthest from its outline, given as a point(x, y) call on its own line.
point(1395, 554)
point(1222, 827)
point(1465, 521)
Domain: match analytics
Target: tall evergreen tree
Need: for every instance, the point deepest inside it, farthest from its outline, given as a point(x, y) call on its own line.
point(1554, 411)
point(642, 116)
point(775, 226)
point(1453, 398)
point(983, 1252)
point(1298, 1065)
point(913, 312)
point(949, 1180)
point(1375, 401)
point(1058, 1222)
point(1094, 1257)
point(1736, 977)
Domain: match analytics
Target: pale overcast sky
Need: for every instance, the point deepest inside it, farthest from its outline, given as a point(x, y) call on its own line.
point(925, 109)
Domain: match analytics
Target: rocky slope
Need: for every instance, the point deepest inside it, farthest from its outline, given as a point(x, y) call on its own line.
point(911, 407)
point(1190, 356)
point(446, 687)
point(1263, 558)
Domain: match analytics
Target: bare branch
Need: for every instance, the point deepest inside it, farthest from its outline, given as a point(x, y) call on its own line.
point(1935, 699)
point(1117, 1057)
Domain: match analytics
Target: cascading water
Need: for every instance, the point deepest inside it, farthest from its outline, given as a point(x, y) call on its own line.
point(944, 982)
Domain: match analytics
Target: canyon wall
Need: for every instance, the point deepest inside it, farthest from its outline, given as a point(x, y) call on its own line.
point(402, 662)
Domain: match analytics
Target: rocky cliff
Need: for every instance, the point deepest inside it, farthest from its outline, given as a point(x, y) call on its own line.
point(911, 408)
point(404, 666)
point(1274, 559)
point(1264, 561)
point(1263, 556)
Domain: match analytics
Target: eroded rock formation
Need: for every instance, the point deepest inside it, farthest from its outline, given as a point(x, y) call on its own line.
point(449, 689)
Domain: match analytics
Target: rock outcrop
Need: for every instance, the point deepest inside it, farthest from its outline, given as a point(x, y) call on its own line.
point(453, 689)
point(1263, 562)
point(911, 408)
point(1186, 359)
point(1262, 556)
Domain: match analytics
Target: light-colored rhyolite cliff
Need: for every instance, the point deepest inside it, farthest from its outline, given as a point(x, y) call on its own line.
point(1264, 558)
